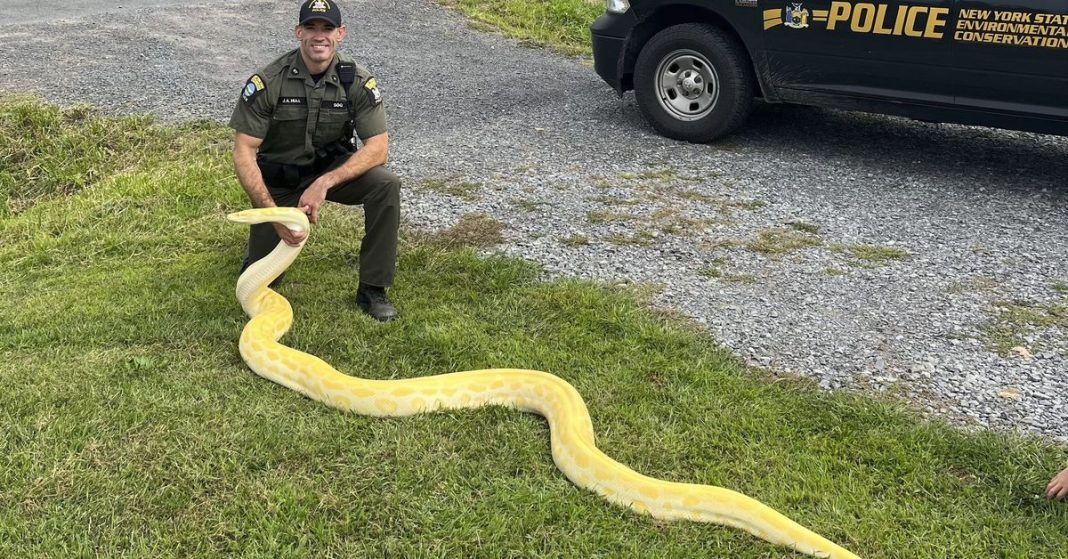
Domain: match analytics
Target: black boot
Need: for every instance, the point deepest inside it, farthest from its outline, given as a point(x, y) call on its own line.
point(373, 301)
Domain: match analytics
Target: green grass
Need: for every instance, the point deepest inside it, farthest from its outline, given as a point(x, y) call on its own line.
point(777, 242)
point(563, 25)
point(529, 205)
point(575, 241)
point(64, 151)
point(451, 187)
point(651, 175)
point(873, 254)
point(132, 428)
point(674, 222)
point(616, 200)
point(473, 230)
point(1014, 321)
point(641, 237)
point(599, 216)
point(810, 228)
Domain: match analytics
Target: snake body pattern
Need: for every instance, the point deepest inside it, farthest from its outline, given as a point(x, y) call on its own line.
point(570, 426)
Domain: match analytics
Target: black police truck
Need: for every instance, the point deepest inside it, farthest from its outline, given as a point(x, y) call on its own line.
point(696, 65)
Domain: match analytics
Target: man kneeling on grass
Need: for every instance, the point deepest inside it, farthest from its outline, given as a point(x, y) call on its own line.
point(294, 144)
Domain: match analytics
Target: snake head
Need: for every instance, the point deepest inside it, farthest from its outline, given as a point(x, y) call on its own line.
point(290, 217)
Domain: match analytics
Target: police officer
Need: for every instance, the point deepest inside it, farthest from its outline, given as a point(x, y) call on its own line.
point(296, 126)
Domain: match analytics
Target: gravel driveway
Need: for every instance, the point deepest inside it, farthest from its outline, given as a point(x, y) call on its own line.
point(861, 251)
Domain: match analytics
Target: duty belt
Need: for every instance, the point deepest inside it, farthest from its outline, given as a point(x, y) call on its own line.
point(286, 175)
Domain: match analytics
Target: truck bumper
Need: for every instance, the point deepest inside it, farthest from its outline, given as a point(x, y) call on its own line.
point(610, 33)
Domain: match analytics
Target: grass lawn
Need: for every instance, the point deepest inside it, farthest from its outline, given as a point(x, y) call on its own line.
point(563, 25)
point(132, 428)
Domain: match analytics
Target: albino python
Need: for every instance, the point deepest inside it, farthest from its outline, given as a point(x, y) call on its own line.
point(570, 427)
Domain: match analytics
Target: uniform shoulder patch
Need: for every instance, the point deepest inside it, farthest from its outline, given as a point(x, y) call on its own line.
point(372, 91)
point(253, 87)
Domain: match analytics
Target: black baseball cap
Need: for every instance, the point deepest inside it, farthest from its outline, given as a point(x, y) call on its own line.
point(320, 9)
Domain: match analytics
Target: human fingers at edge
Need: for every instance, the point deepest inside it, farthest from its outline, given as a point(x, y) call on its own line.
point(313, 199)
point(290, 237)
point(312, 211)
point(1058, 485)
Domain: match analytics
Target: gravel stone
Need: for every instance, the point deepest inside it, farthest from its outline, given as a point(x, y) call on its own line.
point(980, 212)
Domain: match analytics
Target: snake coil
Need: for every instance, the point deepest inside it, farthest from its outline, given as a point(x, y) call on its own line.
point(570, 426)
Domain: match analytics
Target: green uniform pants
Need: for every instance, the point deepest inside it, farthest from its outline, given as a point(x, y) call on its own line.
point(378, 190)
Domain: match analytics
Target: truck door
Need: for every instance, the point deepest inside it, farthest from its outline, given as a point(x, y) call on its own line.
point(882, 49)
point(1012, 56)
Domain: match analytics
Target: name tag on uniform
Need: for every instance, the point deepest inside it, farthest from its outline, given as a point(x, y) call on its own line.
point(336, 105)
point(293, 101)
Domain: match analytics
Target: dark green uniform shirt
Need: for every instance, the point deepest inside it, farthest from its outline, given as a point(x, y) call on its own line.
point(295, 116)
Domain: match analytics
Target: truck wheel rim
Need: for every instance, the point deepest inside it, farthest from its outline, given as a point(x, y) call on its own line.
point(687, 85)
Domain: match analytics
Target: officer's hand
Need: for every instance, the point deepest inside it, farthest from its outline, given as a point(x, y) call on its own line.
point(313, 197)
point(291, 237)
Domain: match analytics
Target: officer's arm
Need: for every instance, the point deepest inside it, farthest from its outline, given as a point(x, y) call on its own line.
point(248, 172)
point(375, 152)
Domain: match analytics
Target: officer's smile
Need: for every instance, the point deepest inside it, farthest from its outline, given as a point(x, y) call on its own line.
point(318, 42)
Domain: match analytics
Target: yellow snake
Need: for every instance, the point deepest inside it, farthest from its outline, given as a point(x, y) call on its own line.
point(570, 427)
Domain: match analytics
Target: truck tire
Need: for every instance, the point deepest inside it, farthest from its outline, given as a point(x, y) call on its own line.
point(693, 82)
